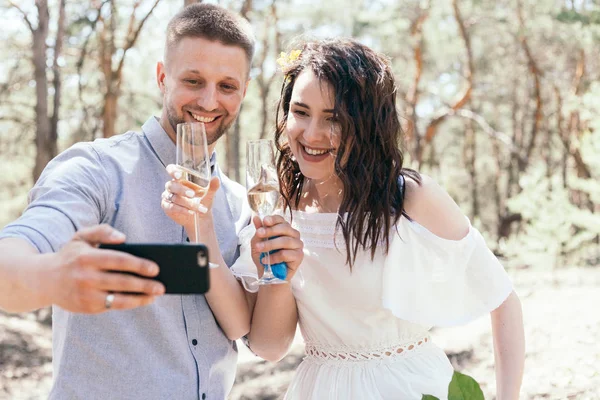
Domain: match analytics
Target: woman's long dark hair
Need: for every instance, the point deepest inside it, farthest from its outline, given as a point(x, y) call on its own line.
point(369, 159)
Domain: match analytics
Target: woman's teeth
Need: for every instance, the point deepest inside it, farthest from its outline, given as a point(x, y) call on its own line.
point(314, 152)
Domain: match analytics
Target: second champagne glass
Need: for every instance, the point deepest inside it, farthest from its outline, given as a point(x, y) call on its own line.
point(263, 190)
point(193, 160)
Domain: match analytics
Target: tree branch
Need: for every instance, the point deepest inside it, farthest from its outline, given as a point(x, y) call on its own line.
point(56, 81)
point(246, 8)
point(486, 127)
point(25, 17)
point(537, 74)
point(463, 99)
point(5, 87)
point(416, 32)
point(411, 97)
point(133, 38)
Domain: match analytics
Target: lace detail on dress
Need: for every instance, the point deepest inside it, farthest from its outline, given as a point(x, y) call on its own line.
point(328, 354)
point(319, 230)
point(324, 228)
point(327, 243)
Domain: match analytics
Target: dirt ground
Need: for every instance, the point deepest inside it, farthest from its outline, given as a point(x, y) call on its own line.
point(562, 324)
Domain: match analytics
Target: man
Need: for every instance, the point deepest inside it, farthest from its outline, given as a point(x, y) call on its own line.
point(154, 347)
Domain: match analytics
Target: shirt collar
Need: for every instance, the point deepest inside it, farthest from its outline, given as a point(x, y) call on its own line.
point(163, 145)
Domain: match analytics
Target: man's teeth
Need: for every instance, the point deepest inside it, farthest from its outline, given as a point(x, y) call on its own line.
point(314, 152)
point(203, 119)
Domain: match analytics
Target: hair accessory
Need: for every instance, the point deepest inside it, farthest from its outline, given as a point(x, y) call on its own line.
point(286, 60)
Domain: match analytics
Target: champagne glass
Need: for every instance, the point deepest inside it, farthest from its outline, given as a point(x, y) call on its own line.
point(263, 191)
point(193, 160)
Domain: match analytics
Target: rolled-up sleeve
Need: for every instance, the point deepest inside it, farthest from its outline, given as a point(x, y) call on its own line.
point(72, 193)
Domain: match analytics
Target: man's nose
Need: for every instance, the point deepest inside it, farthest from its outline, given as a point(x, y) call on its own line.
point(208, 98)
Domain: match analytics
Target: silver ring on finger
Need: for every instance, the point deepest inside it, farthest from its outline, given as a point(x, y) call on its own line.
point(170, 197)
point(108, 301)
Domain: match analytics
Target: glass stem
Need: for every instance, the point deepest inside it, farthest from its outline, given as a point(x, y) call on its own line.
point(267, 272)
point(196, 228)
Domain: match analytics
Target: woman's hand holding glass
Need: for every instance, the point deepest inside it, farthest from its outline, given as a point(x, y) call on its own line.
point(262, 187)
point(276, 236)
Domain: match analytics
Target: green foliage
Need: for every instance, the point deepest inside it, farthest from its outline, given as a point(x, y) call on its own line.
point(561, 224)
point(573, 16)
point(555, 231)
point(462, 387)
point(558, 221)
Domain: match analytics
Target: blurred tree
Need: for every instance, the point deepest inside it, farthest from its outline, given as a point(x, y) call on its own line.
point(266, 74)
point(106, 45)
point(232, 139)
point(46, 123)
point(112, 57)
point(497, 98)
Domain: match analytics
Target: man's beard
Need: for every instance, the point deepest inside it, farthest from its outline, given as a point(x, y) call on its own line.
point(222, 129)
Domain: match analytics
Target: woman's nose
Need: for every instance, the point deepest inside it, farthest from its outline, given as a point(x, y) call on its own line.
point(316, 132)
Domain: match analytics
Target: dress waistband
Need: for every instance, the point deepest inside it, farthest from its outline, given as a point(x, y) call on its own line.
point(324, 353)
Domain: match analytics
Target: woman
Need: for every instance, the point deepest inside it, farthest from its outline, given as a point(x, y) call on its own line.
point(385, 253)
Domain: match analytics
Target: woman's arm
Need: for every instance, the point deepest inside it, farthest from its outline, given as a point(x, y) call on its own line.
point(226, 296)
point(509, 347)
point(274, 312)
point(274, 320)
point(430, 206)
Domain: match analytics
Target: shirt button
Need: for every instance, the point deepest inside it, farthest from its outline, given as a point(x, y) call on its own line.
point(203, 396)
point(194, 342)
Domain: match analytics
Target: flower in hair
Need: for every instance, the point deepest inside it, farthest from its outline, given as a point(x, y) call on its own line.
point(285, 60)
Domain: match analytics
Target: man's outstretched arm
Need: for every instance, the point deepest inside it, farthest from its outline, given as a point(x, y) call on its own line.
point(77, 278)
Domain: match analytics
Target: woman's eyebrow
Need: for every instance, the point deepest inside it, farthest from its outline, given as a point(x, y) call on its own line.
point(299, 104)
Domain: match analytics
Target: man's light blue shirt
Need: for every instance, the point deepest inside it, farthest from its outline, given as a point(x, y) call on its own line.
point(171, 349)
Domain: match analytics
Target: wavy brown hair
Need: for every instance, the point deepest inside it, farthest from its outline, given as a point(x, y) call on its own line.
point(369, 159)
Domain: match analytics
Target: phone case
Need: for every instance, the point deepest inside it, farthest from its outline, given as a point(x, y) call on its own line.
point(183, 267)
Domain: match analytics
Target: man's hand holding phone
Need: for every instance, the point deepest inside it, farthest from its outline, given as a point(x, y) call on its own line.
point(183, 267)
point(82, 277)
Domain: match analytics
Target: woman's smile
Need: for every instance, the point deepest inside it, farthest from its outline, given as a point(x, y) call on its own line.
point(312, 154)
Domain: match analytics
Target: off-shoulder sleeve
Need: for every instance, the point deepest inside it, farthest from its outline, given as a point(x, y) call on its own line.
point(437, 282)
point(244, 268)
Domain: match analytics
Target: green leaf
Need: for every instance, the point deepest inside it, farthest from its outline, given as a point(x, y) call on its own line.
point(462, 387)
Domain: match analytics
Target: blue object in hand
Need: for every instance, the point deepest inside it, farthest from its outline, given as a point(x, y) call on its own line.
point(279, 269)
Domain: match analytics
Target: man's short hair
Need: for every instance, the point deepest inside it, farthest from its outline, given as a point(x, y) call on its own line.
point(212, 22)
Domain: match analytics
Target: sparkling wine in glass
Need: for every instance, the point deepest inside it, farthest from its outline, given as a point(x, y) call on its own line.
point(193, 160)
point(262, 185)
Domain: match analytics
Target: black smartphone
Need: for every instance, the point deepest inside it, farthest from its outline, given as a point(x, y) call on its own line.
point(184, 268)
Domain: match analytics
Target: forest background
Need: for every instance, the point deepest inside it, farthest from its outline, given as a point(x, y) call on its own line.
point(500, 103)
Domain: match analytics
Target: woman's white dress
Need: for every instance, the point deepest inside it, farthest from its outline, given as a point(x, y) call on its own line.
point(366, 330)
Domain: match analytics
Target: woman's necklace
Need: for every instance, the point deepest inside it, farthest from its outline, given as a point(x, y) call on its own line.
point(322, 197)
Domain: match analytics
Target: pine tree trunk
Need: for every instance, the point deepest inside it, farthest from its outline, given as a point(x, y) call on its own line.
point(43, 141)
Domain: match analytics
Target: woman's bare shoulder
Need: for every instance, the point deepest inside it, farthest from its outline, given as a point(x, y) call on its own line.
point(428, 204)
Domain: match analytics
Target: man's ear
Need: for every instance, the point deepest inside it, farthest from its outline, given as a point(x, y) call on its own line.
point(246, 87)
point(160, 76)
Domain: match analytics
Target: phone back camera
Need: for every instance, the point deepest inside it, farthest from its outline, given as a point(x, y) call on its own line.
point(202, 260)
